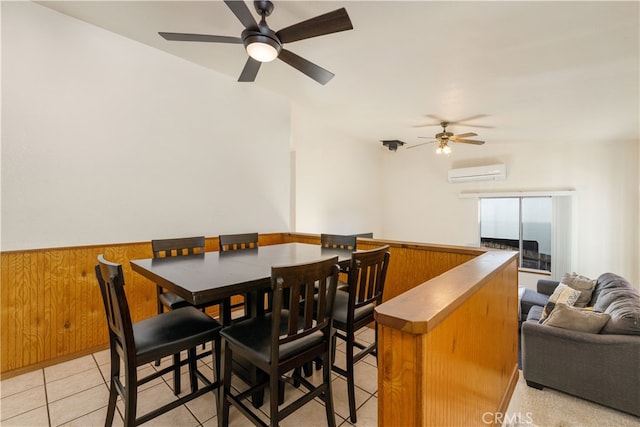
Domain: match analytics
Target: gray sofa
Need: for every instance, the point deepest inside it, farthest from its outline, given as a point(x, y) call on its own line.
point(602, 367)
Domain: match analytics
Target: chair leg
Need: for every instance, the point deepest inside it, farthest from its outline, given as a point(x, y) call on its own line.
point(334, 340)
point(307, 368)
point(274, 387)
point(216, 353)
point(216, 370)
point(113, 392)
point(176, 374)
point(350, 378)
point(328, 395)
point(193, 379)
point(223, 415)
point(130, 396)
point(160, 311)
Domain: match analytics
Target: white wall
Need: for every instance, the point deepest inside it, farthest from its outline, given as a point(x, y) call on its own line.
point(105, 140)
point(337, 180)
point(605, 209)
point(70, 90)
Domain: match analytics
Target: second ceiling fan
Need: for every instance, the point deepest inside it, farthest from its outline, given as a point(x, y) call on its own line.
point(264, 45)
point(444, 137)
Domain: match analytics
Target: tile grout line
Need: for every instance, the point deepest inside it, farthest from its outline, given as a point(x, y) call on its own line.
point(46, 397)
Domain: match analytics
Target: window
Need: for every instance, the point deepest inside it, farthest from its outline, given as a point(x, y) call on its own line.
point(522, 224)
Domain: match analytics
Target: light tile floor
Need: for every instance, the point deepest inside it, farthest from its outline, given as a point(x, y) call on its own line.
point(75, 393)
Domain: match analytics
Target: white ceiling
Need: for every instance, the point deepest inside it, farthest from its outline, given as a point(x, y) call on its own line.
point(539, 72)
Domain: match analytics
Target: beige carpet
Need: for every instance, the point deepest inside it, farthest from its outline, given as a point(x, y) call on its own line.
point(550, 408)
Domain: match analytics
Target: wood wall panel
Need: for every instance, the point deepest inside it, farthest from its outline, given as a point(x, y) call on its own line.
point(414, 264)
point(460, 367)
point(51, 305)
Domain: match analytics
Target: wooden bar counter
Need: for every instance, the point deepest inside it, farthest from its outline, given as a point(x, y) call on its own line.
point(448, 347)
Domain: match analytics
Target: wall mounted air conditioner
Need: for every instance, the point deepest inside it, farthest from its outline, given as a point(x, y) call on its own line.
point(478, 173)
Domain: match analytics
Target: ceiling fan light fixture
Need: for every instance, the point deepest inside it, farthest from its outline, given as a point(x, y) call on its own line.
point(443, 148)
point(262, 48)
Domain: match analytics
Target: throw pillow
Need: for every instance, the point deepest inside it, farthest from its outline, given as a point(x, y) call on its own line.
point(547, 309)
point(563, 294)
point(581, 283)
point(576, 319)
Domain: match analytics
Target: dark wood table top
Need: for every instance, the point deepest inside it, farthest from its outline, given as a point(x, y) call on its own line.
point(212, 276)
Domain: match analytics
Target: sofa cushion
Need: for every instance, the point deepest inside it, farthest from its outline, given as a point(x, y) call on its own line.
point(576, 319)
point(581, 283)
point(608, 282)
point(621, 301)
point(535, 314)
point(563, 294)
point(625, 316)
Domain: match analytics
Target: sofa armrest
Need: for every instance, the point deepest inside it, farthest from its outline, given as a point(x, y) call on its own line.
point(547, 287)
point(599, 367)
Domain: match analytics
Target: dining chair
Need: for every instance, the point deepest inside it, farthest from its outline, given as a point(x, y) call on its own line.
point(283, 340)
point(233, 243)
point(182, 246)
point(236, 242)
point(339, 241)
point(135, 344)
point(163, 248)
point(354, 310)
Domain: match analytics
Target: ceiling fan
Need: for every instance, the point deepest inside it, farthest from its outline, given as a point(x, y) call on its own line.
point(443, 138)
point(264, 45)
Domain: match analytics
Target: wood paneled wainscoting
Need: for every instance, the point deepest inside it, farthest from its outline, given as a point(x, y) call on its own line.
point(50, 303)
point(447, 335)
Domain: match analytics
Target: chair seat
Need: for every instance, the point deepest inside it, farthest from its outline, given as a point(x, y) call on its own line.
point(254, 336)
point(172, 332)
point(173, 301)
point(341, 310)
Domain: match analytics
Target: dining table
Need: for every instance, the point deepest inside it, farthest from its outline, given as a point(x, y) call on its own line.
point(215, 276)
point(212, 277)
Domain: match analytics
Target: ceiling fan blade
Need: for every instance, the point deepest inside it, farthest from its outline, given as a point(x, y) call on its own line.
point(182, 37)
point(312, 70)
point(427, 125)
point(421, 144)
point(242, 12)
point(469, 141)
point(329, 23)
point(467, 119)
point(250, 70)
point(464, 135)
point(473, 126)
point(453, 122)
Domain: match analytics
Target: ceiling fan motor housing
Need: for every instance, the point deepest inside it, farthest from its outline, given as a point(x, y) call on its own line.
point(264, 35)
point(263, 7)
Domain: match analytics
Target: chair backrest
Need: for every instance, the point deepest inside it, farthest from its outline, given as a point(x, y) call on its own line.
point(294, 288)
point(111, 281)
point(367, 274)
point(338, 241)
point(237, 242)
point(177, 247)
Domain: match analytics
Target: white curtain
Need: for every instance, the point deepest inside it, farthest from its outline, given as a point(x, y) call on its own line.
point(561, 237)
